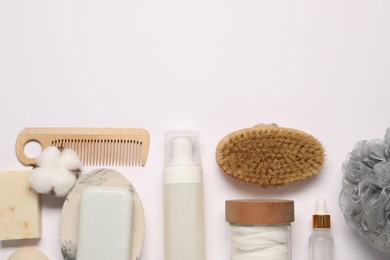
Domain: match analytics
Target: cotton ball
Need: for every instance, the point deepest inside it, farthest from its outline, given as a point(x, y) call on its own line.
point(69, 160)
point(49, 157)
point(63, 181)
point(40, 179)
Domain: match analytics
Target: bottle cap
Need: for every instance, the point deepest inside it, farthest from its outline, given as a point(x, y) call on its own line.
point(182, 157)
point(321, 219)
point(182, 149)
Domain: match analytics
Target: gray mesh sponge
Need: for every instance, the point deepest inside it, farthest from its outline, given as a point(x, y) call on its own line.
point(365, 194)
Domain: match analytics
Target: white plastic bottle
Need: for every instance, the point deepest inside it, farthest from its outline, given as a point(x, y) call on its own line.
point(183, 197)
point(321, 242)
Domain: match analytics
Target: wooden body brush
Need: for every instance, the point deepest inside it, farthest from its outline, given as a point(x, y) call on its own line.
point(269, 155)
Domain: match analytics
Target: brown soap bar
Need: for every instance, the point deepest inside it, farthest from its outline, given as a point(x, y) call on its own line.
point(20, 207)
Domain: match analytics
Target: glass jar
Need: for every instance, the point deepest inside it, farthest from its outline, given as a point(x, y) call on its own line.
point(260, 229)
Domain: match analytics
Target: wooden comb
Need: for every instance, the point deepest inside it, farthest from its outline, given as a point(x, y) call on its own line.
point(95, 146)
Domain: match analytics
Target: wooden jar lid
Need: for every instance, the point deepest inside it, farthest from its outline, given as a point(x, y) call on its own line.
point(271, 211)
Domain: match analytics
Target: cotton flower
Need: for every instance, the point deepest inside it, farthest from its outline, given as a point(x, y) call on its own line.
point(48, 157)
point(69, 160)
point(55, 171)
point(63, 181)
point(40, 180)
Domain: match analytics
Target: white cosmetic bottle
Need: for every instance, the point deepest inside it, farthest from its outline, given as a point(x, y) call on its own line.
point(321, 242)
point(183, 197)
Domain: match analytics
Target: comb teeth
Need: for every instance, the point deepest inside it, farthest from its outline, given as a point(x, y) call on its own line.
point(94, 146)
point(104, 151)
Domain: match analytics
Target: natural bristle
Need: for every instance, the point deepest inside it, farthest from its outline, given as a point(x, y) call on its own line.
point(270, 155)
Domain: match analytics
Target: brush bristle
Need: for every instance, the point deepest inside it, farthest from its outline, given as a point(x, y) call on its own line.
point(270, 156)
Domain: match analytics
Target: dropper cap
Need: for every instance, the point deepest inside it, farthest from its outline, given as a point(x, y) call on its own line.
point(321, 219)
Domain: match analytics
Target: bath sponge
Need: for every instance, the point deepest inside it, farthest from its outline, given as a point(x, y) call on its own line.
point(365, 195)
point(270, 155)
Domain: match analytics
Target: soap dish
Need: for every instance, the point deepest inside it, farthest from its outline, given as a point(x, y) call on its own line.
point(70, 211)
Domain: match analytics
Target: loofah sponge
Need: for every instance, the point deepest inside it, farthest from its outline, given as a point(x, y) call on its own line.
point(365, 196)
point(269, 155)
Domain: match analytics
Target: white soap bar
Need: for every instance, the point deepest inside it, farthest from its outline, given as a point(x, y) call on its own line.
point(105, 224)
point(20, 207)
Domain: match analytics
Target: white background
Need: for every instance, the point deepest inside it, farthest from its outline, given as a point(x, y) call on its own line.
point(209, 65)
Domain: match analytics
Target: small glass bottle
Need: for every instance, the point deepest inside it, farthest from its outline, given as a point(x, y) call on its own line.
point(321, 242)
point(260, 229)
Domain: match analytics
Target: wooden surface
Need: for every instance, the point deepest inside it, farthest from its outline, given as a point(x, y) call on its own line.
point(259, 211)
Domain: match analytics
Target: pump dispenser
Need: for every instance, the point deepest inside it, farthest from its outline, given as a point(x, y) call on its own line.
point(183, 197)
point(321, 242)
